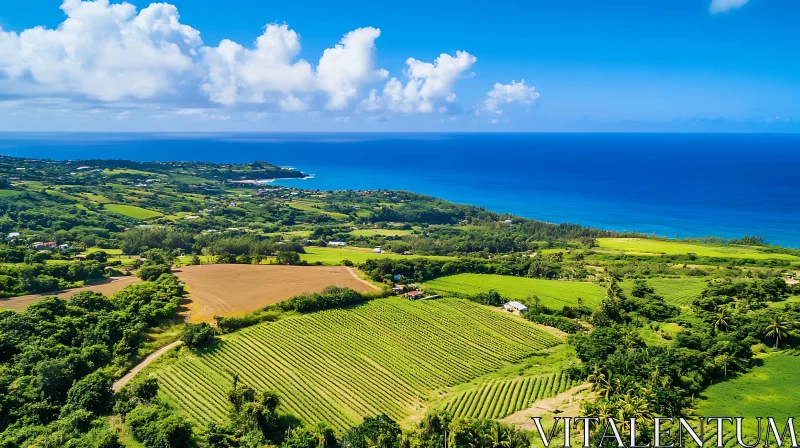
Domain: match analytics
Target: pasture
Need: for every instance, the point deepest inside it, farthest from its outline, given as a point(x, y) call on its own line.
point(770, 390)
point(677, 291)
point(501, 398)
point(642, 246)
point(236, 289)
point(336, 255)
point(388, 355)
point(553, 293)
point(131, 211)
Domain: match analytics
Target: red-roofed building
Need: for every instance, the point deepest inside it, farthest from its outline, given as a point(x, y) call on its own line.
point(414, 295)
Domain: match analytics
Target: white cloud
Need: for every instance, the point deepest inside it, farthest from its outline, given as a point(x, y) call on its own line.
point(237, 74)
point(103, 51)
point(507, 94)
point(344, 68)
point(429, 85)
point(718, 6)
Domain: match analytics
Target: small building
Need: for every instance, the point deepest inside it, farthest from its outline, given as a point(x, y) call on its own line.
point(50, 245)
point(397, 277)
point(64, 246)
point(11, 236)
point(414, 295)
point(377, 250)
point(80, 257)
point(397, 290)
point(515, 307)
point(337, 243)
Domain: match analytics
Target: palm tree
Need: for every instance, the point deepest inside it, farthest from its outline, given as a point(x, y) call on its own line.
point(722, 320)
point(778, 328)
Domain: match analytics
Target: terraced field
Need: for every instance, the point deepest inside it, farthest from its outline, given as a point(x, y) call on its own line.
point(553, 293)
point(389, 355)
point(500, 398)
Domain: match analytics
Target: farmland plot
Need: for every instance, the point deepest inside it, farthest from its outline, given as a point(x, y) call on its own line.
point(387, 356)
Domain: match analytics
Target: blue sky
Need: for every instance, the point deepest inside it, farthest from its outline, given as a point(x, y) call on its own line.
point(610, 66)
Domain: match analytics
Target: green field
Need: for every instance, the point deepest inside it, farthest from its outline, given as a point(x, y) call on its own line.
point(677, 291)
point(643, 246)
point(389, 355)
point(553, 293)
point(335, 255)
point(501, 398)
point(381, 232)
point(308, 206)
point(9, 193)
point(132, 211)
point(771, 390)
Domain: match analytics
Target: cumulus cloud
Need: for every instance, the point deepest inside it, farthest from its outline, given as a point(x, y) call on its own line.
point(109, 52)
point(237, 74)
point(718, 6)
point(428, 85)
point(507, 94)
point(348, 65)
point(107, 55)
point(104, 51)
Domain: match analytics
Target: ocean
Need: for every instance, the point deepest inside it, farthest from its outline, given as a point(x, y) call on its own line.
point(674, 185)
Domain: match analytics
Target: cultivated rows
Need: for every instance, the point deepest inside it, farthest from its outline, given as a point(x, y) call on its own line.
point(337, 366)
point(500, 398)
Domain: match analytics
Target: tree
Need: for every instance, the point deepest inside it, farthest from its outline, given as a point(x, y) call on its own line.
point(197, 335)
point(778, 328)
point(100, 256)
point(722, 320)
point(151, 272)
point(92, 393)
point(290, 258)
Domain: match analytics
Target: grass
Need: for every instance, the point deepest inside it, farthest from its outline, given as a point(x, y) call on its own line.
point(308, 206)
point(770, 390)
point(381, 232)
point(387, 356)
point(641, 246)
point(132, 211)
point(677, 291)
point(553, 293)
point(335, 255)
point(9, 193)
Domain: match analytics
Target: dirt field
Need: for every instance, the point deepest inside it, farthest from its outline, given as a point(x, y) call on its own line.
point(231, 289)
point(106, 287)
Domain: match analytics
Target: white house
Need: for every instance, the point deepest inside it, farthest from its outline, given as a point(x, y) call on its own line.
point(337, 243)
point(377, 250)
point(515, 307)
point(12, 235)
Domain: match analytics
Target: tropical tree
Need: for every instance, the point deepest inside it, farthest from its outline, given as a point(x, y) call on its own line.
point(778, 328)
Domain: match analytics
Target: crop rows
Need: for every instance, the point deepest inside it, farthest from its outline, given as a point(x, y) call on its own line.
point(500, 398)
point(338, 366)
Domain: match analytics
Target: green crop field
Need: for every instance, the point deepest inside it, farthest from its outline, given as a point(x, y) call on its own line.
point(132, 211)
point(389, 355)
point(9, 193)
point(501, 398)
point(335, 255)
point(677, 291)
point(770, 390)
point(643, 246)
point(553, 293)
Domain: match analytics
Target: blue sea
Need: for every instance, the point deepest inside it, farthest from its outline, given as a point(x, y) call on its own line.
point(675, 185)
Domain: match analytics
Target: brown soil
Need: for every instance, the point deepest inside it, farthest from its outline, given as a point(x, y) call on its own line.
point(107, 287)
point(235, 289)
